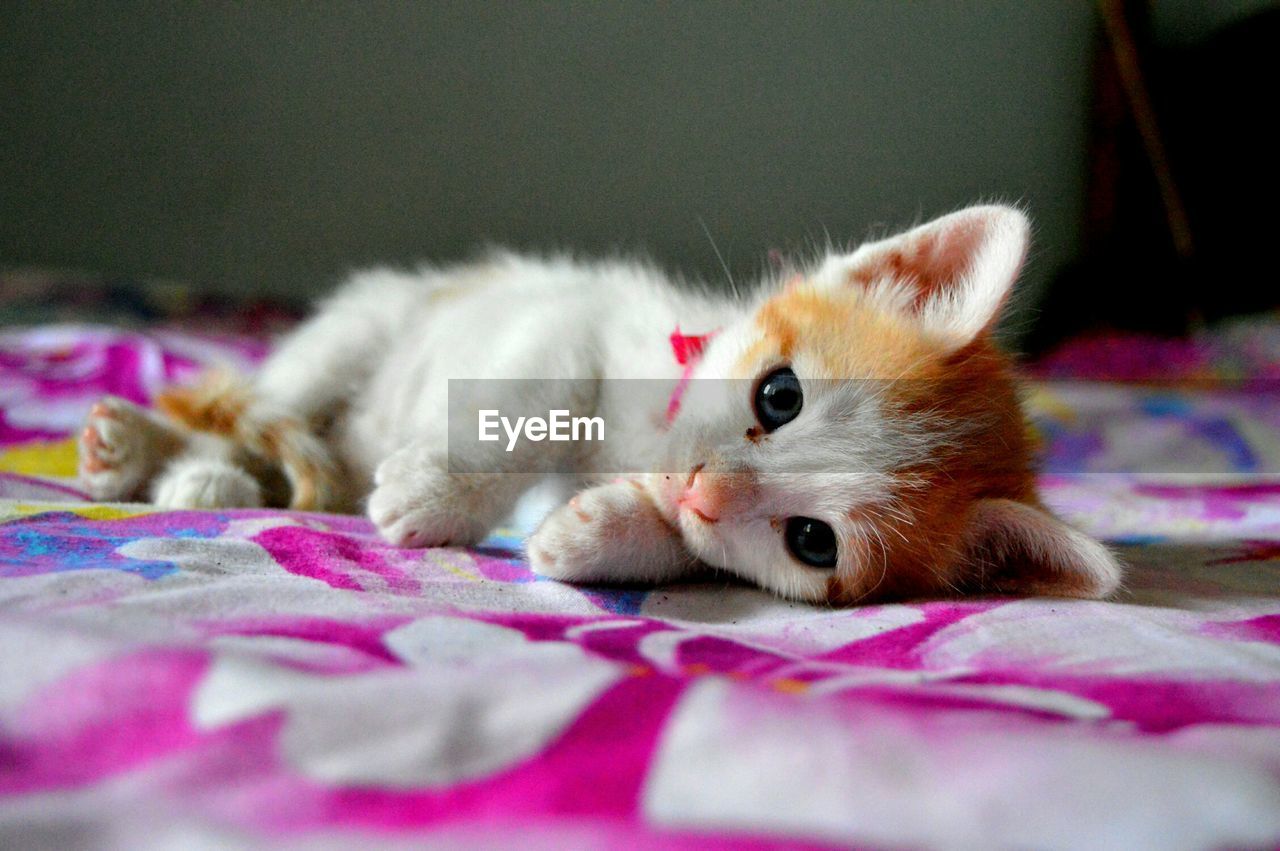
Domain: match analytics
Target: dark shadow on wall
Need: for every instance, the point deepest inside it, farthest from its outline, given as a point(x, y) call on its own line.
point(1176, 242)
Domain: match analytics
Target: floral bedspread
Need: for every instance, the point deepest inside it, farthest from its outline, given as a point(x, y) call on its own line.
point(247, 678)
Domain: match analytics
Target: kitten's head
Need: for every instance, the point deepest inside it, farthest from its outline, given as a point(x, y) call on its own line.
point(863, 438)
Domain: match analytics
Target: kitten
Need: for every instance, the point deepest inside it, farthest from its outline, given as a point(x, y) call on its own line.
point(864, 441)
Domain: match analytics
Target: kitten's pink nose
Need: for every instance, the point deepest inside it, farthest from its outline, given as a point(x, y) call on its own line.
point(698, 499)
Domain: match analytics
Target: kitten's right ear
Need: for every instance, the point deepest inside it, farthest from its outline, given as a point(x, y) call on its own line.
point(1015, 548)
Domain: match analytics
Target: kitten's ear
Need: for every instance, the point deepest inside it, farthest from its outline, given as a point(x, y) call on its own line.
point(1015, 548)
point(956, 270)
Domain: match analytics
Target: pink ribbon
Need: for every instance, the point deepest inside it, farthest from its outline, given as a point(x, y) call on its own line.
point(688, 352)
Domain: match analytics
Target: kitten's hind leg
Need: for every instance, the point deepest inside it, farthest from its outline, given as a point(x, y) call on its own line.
point(122, 447)
point(231, 429)
point(198, 481)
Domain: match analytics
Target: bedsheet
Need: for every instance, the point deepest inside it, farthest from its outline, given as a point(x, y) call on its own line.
point(258, 677)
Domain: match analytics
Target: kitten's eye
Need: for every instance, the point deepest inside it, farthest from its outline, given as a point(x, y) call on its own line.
point(778, 399)
point(811, 541)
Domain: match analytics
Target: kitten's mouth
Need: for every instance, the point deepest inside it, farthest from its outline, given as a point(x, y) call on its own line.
point(699, 513)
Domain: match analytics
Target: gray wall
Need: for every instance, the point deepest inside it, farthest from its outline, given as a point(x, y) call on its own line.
point(270, 146)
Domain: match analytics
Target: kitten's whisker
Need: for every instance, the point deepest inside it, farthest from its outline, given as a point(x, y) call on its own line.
point(901, 518)
point(939, 575)
point(884, 558)
point(884, 561)
point(723, 265)
point(898, 532)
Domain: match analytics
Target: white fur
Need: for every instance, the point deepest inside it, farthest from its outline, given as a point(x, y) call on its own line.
point(374, 366)
point(198, 482)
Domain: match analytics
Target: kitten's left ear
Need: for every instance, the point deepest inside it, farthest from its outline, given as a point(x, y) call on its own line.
point(956, 270)
point(1015, 548)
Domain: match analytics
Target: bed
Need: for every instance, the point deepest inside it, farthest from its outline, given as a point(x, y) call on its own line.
point(260, 677)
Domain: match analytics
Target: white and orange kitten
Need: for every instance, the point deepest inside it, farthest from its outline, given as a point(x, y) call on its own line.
point(866, 441)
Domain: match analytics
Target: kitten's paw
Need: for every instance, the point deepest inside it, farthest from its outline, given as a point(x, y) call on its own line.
point(423, 510)
point(120, 448)
point(203, 483)
point(609, 533)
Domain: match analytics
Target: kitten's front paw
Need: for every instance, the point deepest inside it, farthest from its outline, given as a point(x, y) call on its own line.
point(607, 534)
point(423, 510)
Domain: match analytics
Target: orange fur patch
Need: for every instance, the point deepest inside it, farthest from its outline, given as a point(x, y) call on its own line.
point(927, 554)
point(842, 336)
point(308, 476)
point(214, 405)
point(217, 405)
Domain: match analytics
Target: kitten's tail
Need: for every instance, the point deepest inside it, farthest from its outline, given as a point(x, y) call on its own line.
point(221, 403)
